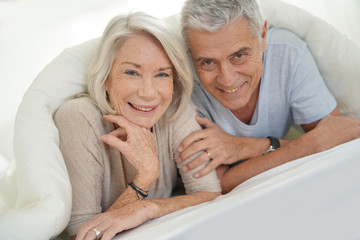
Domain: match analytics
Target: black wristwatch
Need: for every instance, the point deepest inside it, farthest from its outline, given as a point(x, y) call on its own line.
point(274, 144)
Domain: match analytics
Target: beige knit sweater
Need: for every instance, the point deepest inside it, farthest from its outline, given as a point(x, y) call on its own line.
point(100, 173)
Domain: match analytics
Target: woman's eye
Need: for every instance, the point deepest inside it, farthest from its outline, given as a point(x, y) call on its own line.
point(163, 75)
point(131, 73)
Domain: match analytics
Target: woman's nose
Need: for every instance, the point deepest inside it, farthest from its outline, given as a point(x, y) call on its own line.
point(147, 88)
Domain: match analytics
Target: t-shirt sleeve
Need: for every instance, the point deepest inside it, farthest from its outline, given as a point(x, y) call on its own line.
point(80, 149)
point(183, 127)
point(310, 98)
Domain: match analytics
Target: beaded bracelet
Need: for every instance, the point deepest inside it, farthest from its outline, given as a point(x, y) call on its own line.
point(140, 193)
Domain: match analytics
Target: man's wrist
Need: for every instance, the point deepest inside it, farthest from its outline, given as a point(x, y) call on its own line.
point(274, 144)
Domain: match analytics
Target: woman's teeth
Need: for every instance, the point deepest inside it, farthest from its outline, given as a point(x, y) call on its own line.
point(141, 108)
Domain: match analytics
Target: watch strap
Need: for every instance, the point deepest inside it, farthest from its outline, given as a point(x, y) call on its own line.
point(274, 144)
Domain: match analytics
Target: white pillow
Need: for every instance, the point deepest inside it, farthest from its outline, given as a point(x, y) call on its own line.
point(43, 205)
point(336, 55)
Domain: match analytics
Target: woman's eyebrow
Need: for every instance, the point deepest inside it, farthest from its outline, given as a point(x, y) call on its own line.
point(130, 63)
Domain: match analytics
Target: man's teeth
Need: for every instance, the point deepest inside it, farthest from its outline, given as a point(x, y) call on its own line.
point(231, 90)
point(142, 109)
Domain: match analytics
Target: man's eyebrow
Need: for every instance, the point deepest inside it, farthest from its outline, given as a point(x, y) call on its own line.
point(241, 50)
point(199, 59)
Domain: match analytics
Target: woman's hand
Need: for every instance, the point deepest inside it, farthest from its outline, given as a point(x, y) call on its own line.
point(137, 144)
point(112, 222)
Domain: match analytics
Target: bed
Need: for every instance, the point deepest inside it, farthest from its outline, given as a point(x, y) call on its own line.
point(315, 197)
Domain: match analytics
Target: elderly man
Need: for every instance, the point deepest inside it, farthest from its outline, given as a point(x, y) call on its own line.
point(253, 84)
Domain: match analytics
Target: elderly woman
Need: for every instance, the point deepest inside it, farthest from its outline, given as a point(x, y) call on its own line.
point(119, 142)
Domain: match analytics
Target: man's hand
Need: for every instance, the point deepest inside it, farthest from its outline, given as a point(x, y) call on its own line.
point(219, 146)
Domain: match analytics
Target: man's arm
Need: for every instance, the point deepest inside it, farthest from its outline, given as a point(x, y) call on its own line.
point(325, 134)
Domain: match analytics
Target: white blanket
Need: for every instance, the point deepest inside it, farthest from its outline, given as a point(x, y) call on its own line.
point(315, 197)
point(36, 202)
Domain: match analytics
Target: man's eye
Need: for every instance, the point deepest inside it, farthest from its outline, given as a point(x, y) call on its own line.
point(207, 62)
point(131, 73)
point(238, 56)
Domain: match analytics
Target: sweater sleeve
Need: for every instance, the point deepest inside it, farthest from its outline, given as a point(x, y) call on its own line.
point(183, 127)
point(82, 155)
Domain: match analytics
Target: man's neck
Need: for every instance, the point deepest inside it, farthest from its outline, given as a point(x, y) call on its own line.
point(246, 113)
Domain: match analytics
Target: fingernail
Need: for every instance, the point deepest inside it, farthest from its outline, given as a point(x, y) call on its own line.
point(180, 149)
point(104, 138)
point(178, 160)
point(196, 175)
point(184, 168)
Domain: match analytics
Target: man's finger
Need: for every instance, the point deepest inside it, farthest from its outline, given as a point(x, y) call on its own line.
point(190, 139)
point(204, 121)
point(198, 161)
point(194, 148)
point(213, 164)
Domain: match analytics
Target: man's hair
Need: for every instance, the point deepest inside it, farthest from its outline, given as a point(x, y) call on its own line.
point(121, 28)
point(211, 15)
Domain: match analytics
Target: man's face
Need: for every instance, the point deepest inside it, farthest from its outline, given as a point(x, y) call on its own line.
point(229, 63)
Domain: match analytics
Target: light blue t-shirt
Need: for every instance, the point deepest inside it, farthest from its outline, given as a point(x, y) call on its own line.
point(291, 91)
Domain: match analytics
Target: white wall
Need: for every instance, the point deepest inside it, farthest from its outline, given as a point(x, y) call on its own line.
point(343, 14)
point(33, 32)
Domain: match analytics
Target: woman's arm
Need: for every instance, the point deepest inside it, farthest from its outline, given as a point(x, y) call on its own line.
point(139, 146)
point(135, 213)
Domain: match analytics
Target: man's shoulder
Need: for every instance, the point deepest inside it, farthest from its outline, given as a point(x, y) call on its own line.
point(280, 36)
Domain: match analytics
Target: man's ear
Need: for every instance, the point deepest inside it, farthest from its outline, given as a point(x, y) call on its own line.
point(263, 36)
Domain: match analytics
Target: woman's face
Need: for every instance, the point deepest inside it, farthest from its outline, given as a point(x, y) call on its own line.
point(140, 84)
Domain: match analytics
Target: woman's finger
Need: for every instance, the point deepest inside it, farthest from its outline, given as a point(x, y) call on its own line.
point(119, 133)
point(114, 142)
point(119, 120)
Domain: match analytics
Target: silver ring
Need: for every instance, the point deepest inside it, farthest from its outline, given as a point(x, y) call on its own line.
point(209, 155)
point(97, 233)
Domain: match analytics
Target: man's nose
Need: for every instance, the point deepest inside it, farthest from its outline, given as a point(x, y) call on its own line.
point(227, 74)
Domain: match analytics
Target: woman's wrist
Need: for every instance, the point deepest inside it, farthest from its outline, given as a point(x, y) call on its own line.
point(144, 181)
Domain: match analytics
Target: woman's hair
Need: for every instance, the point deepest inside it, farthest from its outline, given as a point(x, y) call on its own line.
point(211, 15)
point(121, 28)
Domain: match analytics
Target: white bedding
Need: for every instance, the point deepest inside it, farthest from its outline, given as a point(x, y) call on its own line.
point(316, 197)
point(299, 198)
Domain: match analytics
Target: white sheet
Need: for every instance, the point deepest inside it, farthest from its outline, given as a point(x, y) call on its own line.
point(316, 197)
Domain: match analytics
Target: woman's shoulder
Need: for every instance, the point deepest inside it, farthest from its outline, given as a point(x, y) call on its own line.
point(80, 105)
point(181, 126)
point(79, 109)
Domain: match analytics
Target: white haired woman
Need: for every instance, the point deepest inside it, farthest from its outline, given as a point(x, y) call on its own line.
point(119, 142)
